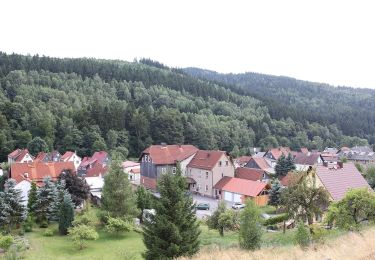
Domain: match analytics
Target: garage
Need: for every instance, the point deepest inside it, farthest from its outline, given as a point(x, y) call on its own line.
point(232, 197)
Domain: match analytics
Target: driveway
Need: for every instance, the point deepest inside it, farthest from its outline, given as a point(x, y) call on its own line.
point(213, 205)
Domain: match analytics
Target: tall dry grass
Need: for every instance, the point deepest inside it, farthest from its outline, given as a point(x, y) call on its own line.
point(347, 247)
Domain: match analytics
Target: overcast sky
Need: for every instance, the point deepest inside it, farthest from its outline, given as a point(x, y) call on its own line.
point(323, 41)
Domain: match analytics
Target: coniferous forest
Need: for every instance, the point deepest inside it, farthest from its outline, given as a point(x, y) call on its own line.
point(90, 104)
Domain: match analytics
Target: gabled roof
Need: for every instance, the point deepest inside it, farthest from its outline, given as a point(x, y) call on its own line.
point(169, 154)
point(243, 159)
point(37, 171)
point(206, 159)
point(249, 174)
point(277, 152)
point(285, 180)
point(67, 155)
point(306, 159)
point(304, 150)
point(338, 181)
point(262, 163)
point(96, 170)
point(18, 154)
point(329, 157)
point(241, 186)
point(97, 157)
point(135, 170)
point(127, 164)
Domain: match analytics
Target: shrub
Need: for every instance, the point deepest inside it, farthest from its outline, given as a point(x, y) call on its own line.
point(275, 220)
point(82, 233)
point(302, 237)
point(250, 227)
point(117, 225)
point(85, 219)
point(43, 224)
point(6, 242)
point(48, 233)
point(27, 226)
point(318, 233)
point(103, 217)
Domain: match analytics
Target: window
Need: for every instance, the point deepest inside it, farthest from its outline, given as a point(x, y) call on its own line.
point(220, 163)
point(174, 170)
point(163, 170)
point(149, 158)
point(222, 175)
point(226, 163)
point(206, 175)
point(206, 188)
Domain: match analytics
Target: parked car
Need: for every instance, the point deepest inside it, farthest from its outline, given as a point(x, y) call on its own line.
point(238, 205)
point(203, 206)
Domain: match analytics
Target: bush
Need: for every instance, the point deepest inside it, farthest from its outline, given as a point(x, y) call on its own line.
point(103, 217)
point(27, 226)
point(6, 242)
point(302, 237)
point(117, 225)
point(275, 220)
point(85, 219)
point(43, 224)
point(48, 233)
point(81, 233)
point(318, 233)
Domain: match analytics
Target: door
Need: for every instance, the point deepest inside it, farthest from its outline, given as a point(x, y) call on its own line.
point(228, 196)
point(237, 198)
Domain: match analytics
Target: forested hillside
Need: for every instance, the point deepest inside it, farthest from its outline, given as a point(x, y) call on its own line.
point(88, 105)
point(352, 110)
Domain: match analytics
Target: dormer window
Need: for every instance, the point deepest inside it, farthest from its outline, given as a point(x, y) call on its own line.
point(226, 163)
point(220, 163)
point(26, 175)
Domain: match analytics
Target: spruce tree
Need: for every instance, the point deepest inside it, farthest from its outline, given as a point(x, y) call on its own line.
point(284, 165)
point(250, 227)
point(275, 193)
point(58, 198)
point(66, 214)
point(45, 198)
point(12, 211)
point(32, 199)
point(118, 198)
point(173, 231)
point(290, 163)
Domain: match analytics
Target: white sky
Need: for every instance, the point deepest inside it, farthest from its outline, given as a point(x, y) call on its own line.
point(324, 41)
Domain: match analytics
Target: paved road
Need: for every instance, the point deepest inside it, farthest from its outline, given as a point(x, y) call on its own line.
point(213, 205)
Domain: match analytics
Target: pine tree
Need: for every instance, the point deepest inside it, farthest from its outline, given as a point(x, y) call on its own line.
point(284, 165)
point(66, 214)
point(12, 211)
point(32, 199)
point(173, 231)
point(290, 163)
point(250, 228)
point(45, 198)
point(275, 193)
point(59, 194)
point(118, 199)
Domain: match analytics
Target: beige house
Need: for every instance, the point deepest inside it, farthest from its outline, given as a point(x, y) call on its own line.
point(206, 169)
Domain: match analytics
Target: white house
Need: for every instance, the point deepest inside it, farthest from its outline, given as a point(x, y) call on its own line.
point(72, 157)
point(96, 186)
point(133, 169)
point(20, 156)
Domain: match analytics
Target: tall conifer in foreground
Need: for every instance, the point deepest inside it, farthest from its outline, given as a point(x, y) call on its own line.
point(250, 227)
point(66, 214)
point(173, 231)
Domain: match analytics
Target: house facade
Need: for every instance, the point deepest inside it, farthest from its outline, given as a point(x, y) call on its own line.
point(54, 156)
point(206, 169)
point(95, 165)
point(304, 161)
point(133, 169)
point(20, 156)
point(157, 160)
point(71, 157)
point(252, 174)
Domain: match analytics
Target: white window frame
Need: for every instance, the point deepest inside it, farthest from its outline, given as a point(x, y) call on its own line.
point(206, 188)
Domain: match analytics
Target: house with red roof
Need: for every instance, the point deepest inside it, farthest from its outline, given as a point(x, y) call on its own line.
point(70, 156)
point(275, 153)
point(53, 156)
point(37, 171)
point(304, 161)
point(162, 159)
point(206, 169)
point(261, 163)
point(238, 190)
point(20, 156)
point(94, 165)
point(252, 174)
point(338, 179)
point(241, 161)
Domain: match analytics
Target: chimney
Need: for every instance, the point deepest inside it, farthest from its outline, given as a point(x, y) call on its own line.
point(163, 145)
point(325, 164)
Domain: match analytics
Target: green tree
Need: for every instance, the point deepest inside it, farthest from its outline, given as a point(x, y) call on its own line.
point(250, 227)
point(303, 199)
point(117, 226)
point(76, 186)
point(118, 199)
point(357, 206)
point(12, 211)
point(275, 193)
point(33, 196)
point(173, 231)
point(82, 233)
point(219, 219)
point(66, 214)
point(302, 236)
point(45, 199)
point(144, 200)
point(37, 145)
point(370, 176)
point(284, 165)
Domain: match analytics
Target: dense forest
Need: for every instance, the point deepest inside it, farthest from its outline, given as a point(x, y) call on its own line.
point(352, 110)
point(89, 104)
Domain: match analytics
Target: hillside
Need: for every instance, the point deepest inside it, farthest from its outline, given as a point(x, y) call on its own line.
point(347, 247)
point(89, 104)
point(352, 110)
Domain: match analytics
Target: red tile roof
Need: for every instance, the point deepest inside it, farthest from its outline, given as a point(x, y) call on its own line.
point(304, 159)
point(127, 164)
point(243, 159)
point(249, 174)
point(37, 171)
point(67, 155)
point(262, 163)
point(17, 155)
point(277, 152)
point(338, 181)
point(285, 180)
point(206, 159)
point(169, 154)
point(97, 170)
point(241, 186)
point(41, 156)
point(135, 170)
